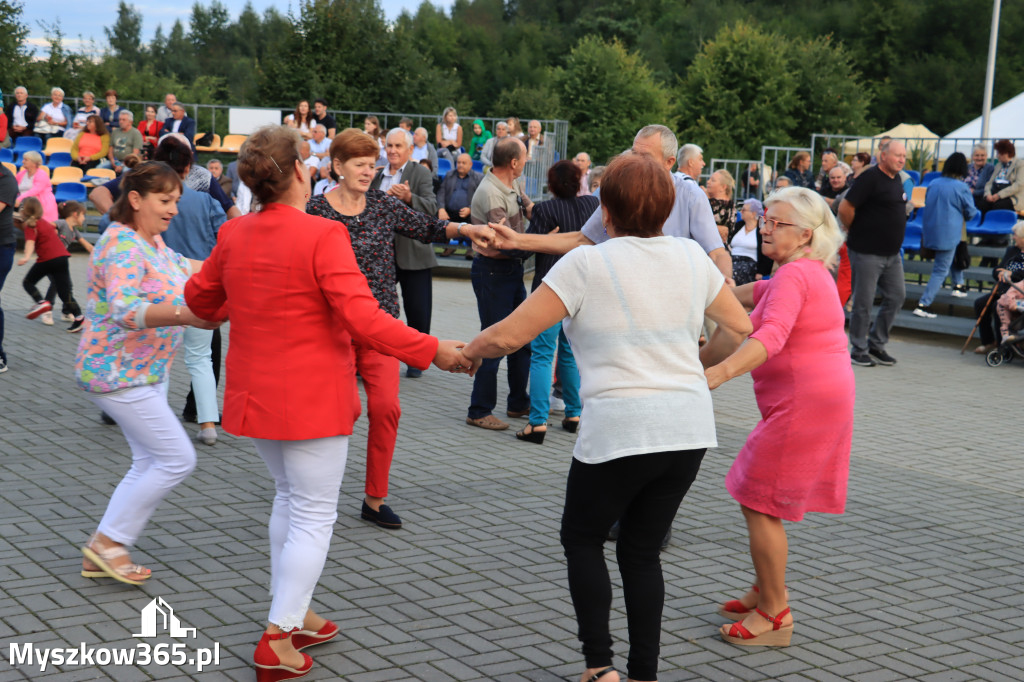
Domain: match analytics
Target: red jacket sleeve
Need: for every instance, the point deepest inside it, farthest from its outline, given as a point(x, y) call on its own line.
point(349, 297)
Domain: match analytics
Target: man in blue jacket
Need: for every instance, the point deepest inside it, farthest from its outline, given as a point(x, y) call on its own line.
point(180, 123)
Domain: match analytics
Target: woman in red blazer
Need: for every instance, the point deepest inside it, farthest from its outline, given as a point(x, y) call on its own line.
point(290, 285)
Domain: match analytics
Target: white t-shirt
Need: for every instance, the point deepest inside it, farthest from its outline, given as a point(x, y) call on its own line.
point(636, 308)
point(449, 134)
point(744, 243)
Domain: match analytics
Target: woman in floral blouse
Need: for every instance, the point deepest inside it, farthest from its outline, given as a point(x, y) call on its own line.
point(720, 188)
point(373, 219)
point(135, 310)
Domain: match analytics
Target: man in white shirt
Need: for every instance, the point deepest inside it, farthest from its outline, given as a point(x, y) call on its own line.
point(422, 150)
point(21, 115)
point(166, 110)
point(500, 131)
point(582, 161)
point(320, 146)
point(691, 215)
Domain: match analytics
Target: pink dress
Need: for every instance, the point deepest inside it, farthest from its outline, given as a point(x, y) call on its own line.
point(797, 459)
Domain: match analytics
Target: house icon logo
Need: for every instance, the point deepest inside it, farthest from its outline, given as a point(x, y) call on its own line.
point(159, 614)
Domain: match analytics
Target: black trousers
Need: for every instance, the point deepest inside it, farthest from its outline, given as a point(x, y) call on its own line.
point(644, 493)
point(417, 296)
point(190, 399)
point(999, 204)
point(57, 270)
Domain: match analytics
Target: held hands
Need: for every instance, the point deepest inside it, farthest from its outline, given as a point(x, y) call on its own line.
point(449, 357)
point(481, 235)
point(190, 319)
point(504, 236)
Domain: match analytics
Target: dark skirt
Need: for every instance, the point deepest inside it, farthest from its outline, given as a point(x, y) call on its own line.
point(744, 270)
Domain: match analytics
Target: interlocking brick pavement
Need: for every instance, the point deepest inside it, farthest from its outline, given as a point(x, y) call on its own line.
point(920, 579)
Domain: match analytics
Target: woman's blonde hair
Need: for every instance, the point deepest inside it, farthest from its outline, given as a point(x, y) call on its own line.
point(725, 177)
point(812, 213)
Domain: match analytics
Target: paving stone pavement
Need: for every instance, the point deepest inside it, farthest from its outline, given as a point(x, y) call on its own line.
point(920, 579)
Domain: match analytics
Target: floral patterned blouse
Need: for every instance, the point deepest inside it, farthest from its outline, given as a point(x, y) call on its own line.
point(724, 212)
point(126, 276)
point(373, 238)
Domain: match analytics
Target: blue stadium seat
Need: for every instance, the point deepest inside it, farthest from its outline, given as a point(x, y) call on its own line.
point(443, 166)
point(912, 239)
point(478, 166)
point(28, 144)
point(998, 222)
point(915, 175)
point(6, 155)
point(70, 191)
point(929, 177)
point(974, 223)
point(58, 159)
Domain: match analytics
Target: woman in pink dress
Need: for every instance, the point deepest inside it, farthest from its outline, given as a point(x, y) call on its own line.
point(797, 458)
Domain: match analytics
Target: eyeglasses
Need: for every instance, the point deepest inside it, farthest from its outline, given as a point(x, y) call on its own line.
point(771, 224)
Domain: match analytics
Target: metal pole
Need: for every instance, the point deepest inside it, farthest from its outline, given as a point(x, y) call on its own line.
point(990, 70)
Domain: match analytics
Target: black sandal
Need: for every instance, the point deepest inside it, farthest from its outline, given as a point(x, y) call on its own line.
point(601, 673)
point(571, 425)
point(532, 436)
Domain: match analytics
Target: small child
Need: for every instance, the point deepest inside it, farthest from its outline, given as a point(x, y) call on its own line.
point(72, 217)
point(51, 261)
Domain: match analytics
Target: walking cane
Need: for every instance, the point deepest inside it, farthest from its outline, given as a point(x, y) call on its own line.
point(984, 310)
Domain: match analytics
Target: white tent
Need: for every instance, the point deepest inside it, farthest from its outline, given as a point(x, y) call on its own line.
point(1005, 122)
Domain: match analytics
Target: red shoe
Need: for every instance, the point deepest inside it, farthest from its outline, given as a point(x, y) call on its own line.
point(734, 608)
point(779, 635)
point(269, 667)
point(307, 638)
point(38, 309)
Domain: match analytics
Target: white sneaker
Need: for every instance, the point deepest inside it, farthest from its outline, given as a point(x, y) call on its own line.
point(923, 312)
point(47, 318)
point(557, 404)
point(67, 317)
point(958, 293)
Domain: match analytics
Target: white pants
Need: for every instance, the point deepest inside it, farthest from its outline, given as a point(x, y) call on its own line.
point(162, 457)
point(307, 477)
point(199, 361)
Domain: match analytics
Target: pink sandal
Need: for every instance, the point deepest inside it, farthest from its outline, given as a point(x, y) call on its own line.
point(103, 557)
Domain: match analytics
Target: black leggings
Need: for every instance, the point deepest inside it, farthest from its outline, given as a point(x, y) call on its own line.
point(57, 270)
point(644, 493)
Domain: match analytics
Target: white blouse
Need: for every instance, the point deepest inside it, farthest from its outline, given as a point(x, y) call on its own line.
point(744, 243)
point(636, 308)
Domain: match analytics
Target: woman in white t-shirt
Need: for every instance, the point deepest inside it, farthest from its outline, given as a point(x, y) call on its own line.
point(632, 309)
point(748, 264)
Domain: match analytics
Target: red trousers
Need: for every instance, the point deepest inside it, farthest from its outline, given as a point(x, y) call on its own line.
point(380, 374)
point(844, 277)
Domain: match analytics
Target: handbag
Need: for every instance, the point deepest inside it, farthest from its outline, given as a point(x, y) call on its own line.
point(961, 257)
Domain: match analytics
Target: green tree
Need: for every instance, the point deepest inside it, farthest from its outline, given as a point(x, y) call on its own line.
point(749, 88)
point(607, 94)
point(14, 55)
point(125, 36)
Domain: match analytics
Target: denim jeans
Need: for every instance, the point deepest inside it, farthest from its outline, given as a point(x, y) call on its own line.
point(943, 266)
point(498, 285)
point(542, 351)
point(6, 262)
point(199, 360)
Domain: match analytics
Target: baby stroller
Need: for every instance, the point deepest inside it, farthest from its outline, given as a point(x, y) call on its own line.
point(1012, 347)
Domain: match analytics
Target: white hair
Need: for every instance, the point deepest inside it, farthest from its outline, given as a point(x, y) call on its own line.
point(131, 116)
point(687, 152)
point(53, 90)
point(421, 129)
point(400, 131)
point(979, 148)
point(33, 156)
point(1018, 229)
point(320, 126)
point(811, 213)
point(22, 88)
point(669, 143)
point(499, 124)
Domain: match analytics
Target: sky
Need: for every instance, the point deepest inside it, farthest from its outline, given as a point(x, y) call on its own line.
point(80, 22)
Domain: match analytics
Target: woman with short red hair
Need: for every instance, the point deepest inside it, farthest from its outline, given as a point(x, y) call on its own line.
point(373, 219)
point(633, 308)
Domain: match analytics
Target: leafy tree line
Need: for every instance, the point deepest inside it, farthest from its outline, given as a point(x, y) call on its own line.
point(730, 75)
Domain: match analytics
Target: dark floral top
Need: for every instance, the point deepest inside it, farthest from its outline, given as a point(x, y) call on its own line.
point(723, 211)
point(373, 238)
